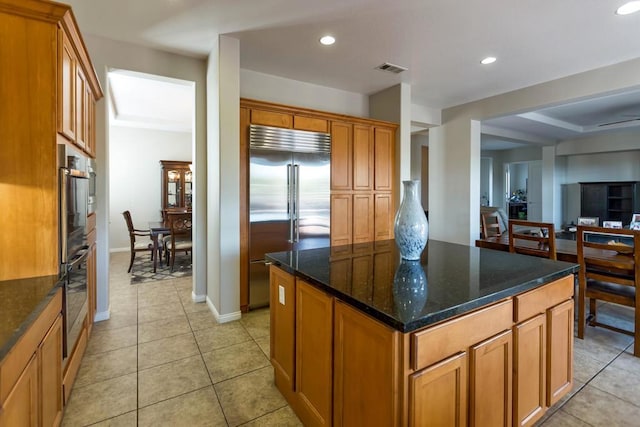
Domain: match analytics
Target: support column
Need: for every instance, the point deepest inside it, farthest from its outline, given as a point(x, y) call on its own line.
point(223, 240)
point(454, 181)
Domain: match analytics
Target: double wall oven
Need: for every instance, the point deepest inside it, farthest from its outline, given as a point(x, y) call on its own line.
point(74, 201)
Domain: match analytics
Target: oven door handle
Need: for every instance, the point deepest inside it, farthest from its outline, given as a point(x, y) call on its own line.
point(78, 260)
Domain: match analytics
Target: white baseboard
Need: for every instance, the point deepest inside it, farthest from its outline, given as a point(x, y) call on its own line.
point(102, 315)
point(223, 318)
point(198, 298)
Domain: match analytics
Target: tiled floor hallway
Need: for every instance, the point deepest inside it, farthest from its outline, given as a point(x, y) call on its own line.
point(162, 360)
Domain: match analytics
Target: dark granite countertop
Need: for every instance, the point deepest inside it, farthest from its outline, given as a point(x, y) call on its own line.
point(21, 302)
point(449, 280)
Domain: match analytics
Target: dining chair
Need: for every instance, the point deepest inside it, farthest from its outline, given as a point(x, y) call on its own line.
point(491, 225)
point(609, 271)
point(136, 246)
point(532, 238)
point(180, 224)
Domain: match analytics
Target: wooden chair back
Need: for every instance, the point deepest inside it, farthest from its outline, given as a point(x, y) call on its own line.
point(180, 224)
point(532, 238)
point(490, 225)
point(133, 233)
point(609, 271)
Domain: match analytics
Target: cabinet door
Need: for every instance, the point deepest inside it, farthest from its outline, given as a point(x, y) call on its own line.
point(365, 370)
point(341, 219)
point(314, 340)
point(383, 216)
point(363, 224)
point(51, 375)
point(283, 309)
point(384, 155)
point(311, 124)
point(341, 156)
point(490, 382)
point(559, 351)
point(81, 108)
point(21, 406)
point(529, 371)
point(90, 124)
point(362, 157)
point(271, 118)
point(438, 394)
point(66, 88)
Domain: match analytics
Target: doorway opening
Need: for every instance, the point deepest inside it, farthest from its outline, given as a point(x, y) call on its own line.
point(151, 119)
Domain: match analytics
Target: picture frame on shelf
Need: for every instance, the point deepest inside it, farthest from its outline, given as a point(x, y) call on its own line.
point(612, 224)
point(635, 222)
point(589, 220)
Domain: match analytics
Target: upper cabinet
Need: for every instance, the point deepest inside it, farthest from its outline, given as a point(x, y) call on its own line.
point(42, 55)
point(78, 89)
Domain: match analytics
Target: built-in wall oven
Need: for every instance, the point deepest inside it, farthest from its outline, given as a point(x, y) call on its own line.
point(74, 190)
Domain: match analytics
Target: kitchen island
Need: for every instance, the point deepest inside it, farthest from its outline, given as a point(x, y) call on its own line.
point(464, 336)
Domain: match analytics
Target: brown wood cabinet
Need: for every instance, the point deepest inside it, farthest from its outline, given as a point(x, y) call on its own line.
point(341, 156)
point(78, 89)
point(177, 184)
point(21, 406)
point(31, 374)
point(365, 361)
point(543, 349)
point(282, 312)
point(500, 365)
point(439, 394)
point(42, 51)
point(313, 362)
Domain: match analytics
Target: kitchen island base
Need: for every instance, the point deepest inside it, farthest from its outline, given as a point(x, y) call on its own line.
point(504, 363)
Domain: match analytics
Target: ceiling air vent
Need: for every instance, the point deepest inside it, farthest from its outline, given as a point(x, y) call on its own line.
point(391, 68)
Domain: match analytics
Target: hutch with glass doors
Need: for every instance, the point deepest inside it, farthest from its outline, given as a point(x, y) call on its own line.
point(177, 178)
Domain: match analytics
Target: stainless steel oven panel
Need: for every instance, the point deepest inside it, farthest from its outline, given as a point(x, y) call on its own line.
point(75, 302)
point(73, 211)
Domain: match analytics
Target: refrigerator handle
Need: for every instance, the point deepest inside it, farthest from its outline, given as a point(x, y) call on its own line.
point(290, 201)
point(296, 170)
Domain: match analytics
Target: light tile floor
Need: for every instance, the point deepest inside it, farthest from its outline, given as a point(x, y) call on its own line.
point(162, 360)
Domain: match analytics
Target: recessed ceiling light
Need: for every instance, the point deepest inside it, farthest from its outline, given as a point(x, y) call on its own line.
point(488, 60)
point(628, 8)
point(327, 40)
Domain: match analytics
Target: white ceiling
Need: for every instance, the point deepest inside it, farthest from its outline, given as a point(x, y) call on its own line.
point(441, 42)
point(146, 101)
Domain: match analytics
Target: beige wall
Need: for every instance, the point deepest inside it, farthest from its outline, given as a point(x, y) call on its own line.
point(108, 54)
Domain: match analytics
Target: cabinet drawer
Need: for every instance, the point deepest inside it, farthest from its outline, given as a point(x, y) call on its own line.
point(441, 341)
point(538, 300)
point(270, 118)
point(310, 123)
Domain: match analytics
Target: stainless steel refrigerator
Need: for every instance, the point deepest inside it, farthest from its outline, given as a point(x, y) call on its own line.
point(289, 180)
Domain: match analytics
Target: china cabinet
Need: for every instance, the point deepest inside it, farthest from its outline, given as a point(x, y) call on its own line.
point(177, 184)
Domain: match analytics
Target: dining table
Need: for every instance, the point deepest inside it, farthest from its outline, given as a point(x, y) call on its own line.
point(158, 228)
point(566, 249)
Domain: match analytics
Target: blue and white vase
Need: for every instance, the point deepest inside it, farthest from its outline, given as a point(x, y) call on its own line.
point(409, 289)
point(411, 227)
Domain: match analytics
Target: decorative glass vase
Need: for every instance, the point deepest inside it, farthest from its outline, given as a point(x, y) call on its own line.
point(409, 289)
point(411, 227)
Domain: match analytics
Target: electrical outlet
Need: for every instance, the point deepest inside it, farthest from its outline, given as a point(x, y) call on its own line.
point(281, 294)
